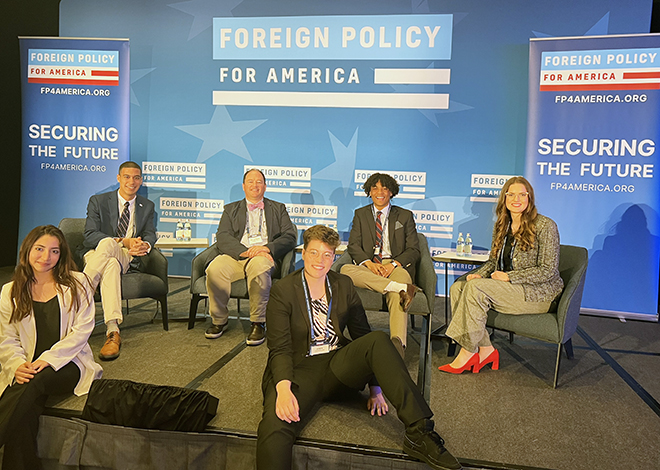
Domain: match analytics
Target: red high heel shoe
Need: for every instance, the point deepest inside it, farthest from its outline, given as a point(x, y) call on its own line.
point(472, 362)
point(493, 359)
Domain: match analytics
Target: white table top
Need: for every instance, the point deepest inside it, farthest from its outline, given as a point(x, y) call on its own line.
point(451, 255)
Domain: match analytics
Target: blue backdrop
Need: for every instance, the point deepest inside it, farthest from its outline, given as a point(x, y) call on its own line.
point(449, 130)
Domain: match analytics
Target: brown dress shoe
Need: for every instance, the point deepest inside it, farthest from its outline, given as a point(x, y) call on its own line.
point(110, 349)
point(407, 296)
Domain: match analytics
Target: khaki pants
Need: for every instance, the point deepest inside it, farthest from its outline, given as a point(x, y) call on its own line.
point(470, 302)
point(224, 270)
point(364, 278)
point(104, 266)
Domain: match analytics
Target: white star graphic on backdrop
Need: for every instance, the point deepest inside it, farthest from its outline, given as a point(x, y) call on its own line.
point(601, 28)
point(222, 133)
point(344, 166)
point(203, 12)
point(420, 6)
point(137, 74)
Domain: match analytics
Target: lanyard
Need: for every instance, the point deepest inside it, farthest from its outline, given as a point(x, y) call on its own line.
point(261, 220)
point(309, 307)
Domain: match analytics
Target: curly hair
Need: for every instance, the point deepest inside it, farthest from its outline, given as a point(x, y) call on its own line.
point(526, 235)
point(384, 179)
point(21, 291)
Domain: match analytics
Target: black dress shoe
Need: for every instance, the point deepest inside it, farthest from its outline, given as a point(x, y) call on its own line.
point(215, 331)
point(257, 334)
point(423, 443)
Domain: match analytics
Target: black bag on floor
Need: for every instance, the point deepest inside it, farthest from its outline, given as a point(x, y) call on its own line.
point(147, 406)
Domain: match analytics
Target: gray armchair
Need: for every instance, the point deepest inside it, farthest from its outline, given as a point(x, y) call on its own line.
point(422, 304)
point(239, 289)
point(151, 283)
point(559, 325)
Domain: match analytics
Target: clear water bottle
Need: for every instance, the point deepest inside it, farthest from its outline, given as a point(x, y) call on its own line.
point(187, 231)
point(179, 231)
point(460, 244)
point(467, 248)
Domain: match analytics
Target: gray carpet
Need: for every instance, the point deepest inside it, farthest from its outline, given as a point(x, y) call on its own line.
point(511, 418)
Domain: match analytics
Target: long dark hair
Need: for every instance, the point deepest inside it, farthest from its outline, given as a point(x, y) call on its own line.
point(21, 291)
point(526, 234)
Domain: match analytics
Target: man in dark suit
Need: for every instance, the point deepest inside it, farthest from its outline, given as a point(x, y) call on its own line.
point(385, 250)
point(310, 359)
point(253, 235)
point(119, 230)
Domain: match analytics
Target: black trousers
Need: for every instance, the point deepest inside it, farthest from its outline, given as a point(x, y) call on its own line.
point(20, 408)
point(327, 376)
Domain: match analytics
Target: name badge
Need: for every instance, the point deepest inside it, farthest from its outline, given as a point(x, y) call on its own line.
point(320, 348)
point(255, 240)
point(377, 250)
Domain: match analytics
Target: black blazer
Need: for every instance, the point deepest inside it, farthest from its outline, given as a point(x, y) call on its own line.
point(402, 232)
point(103, 217)
point(288, 331)
point(282, 235)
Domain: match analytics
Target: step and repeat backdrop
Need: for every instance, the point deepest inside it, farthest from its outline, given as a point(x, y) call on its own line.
point(319, 95)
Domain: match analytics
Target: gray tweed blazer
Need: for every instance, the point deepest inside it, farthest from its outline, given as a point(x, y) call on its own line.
point(536, 269)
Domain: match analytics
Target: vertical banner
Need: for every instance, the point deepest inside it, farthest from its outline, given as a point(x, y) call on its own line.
point(592, 157)
point(75, 124)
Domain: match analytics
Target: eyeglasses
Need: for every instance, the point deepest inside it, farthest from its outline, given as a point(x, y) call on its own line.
point(327, 255)
point(515, 196)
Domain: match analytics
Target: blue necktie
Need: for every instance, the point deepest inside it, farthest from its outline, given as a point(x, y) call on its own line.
point(123, 221)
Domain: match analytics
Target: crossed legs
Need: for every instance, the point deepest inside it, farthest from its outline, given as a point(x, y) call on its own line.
point(364, 278)
point(470, 302)
point(104, 267)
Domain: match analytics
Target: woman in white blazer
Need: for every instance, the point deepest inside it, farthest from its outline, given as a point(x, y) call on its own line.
point(46, 317)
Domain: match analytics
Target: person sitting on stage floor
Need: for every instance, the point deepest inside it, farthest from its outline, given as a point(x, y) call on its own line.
point(119, 230)
point(46, 317)
point(253, 234)
point(384, 247)
point(309, 364)
point(520, 276)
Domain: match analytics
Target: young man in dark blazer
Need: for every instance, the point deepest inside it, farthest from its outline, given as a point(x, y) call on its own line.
point(385, 250)
point(119, 230)
point(310, 359)
point(253, 235)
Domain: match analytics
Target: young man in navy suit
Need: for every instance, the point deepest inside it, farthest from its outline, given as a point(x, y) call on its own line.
point(119, 230)
point(384, 246)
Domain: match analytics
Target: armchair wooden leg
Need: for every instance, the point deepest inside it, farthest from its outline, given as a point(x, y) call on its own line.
point(510, 337)
point(194, 301)
point(554, 382)
point(163, 307)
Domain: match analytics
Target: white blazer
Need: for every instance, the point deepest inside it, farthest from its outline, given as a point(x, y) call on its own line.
point(18, 340)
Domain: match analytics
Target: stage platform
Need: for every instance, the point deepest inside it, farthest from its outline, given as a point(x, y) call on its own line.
point(603, 415)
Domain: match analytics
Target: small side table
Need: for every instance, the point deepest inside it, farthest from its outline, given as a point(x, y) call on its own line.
point(173, 244)
point(450, 256)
